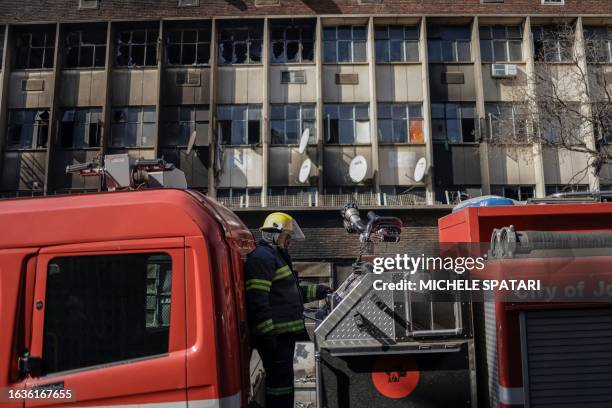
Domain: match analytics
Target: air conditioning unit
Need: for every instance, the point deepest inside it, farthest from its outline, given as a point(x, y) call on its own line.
point(504, 70)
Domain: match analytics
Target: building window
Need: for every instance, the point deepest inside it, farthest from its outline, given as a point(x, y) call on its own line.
point(560, 123)
point(566, 188)
point(501, 43)
point(35, 49)
point(344, 44)
point(137, 48)
point(598, 44)
point(453, 122)
point(400, 123)
point(133, 127)
point(81, 128)
point(239, 124)
point(287, 122)
point(179, 123)
point(292, 40)
point(129, 296)
point(85, 49)
point(188, 3)
point(397, 43)
point(505, 122)
point(188, 47)
point(347, 124)
point(89, 4)
point(519, 193)
point(449, 44)
point(552, 44)
point(28, 128)
point(240, 42)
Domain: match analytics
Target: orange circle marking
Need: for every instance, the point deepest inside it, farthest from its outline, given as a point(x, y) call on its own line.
point(395, 379)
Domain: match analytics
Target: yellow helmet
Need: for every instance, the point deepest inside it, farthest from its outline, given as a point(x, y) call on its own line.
point(278, 222)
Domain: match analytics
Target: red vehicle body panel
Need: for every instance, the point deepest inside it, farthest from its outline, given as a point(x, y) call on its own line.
point(476, 225)
point(208, 349)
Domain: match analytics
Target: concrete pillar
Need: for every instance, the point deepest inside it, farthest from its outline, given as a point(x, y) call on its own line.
point(212, 111)
point(538, 161)
point(429, 187)
point(4, 78)
point(588, 133)
point(373, 106)
point(54, 113)
point(485, 178)
point(265, 114)
point(320, 123)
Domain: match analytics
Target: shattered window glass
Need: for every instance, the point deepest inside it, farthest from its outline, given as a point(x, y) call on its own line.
point(188, 47)
point(240, 42)
point(292, 40)
point(137, 48)
point(85, 48)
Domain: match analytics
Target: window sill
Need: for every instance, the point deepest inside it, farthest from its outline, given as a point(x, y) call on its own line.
point(78, 149)
point(292, 64)
point(258, 64)
point(25, 150)
point(555, 62)
point(131, 147)
point(402, 144)
point(182, 147)
point(347, 63)
point(293, 145)
point(469, 144)
point(135, 68)
point(50, 70)
point(503, 62)
point(177, 66)
point(252, 146)
point(347, 145)
point(399, 63)
point(82, 69)
point(451, 63)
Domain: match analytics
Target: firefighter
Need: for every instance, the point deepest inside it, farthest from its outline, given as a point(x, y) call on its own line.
point(275, 301)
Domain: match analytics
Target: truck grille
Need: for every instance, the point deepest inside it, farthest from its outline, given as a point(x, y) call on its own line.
point(568, 358)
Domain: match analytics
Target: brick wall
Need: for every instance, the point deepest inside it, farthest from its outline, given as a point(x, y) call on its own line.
point(13, 11)
point(327, 241)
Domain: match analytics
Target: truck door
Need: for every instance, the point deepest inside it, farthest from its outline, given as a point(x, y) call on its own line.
point(109, 324)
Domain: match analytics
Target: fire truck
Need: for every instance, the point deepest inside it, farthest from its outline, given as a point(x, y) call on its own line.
point(136, 299)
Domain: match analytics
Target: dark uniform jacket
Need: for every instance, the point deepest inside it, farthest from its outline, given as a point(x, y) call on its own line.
point(274, 296)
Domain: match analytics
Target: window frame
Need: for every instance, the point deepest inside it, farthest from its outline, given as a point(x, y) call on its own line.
point(198, 44)
point(327, 124)
point(80, 46)
point(2, 36)
point(408, 118)
point(37, 142)
point(193, 124)
point(538, 35)
point(404, 43)
point(437, 34)
point(507, 41)
point(461, 106)
point(223, 122)
point(48, 35)
point(146, 45)
point(169, 366)
point(607, 40)
point(338, 41)
point(515, 117)
point(254, 36)
point(500, 189)
point(126, 122)
point(89, 112)
point(302, 122)
point(300, 24)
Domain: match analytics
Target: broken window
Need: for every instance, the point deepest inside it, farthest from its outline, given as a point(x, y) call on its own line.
point(396, 43)
point(344, 44)
point(180, 124)
point(400, 123)
point(239, 124)
point(85, 48)
point(288, 122)
point(552, 43)
point(81, 128)
point(137, 48)
point(188, 47)
point(292, 40)
point(506, 122)
point(598, 44)
point(240, 42)
point(519, 193)
point(133, 127)
point(501, 43)
point(449, 44)
point(27, 128)
point(453, 122)
point(35, 49)
point(346, 124)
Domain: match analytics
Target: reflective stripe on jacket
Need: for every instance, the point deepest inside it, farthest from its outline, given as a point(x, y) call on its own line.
point(274, 296)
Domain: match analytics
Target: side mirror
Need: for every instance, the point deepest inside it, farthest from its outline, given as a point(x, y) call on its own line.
point(29, 365)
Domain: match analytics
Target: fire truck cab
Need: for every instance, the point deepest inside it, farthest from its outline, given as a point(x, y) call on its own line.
point(127, 298)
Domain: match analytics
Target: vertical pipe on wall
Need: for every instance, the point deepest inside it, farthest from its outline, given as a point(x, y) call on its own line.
point(265, 114)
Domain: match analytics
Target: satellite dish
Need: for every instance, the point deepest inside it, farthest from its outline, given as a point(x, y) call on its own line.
point(420, 169)
point(358, 168)
point(304, 141)
point(305, 171)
